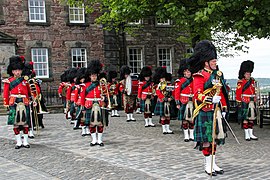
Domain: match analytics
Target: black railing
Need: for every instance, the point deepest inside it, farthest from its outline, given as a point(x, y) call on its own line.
point(51, 97)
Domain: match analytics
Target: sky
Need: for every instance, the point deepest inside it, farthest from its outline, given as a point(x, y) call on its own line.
point(259, 53)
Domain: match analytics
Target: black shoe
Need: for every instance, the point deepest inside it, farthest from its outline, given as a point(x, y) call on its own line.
point(26, 146)
point(220, 172)
point(101, 144)
point(170, 132)
point(128, 120)
point(213, 173)
point(91, 144)
point(74, 128)
point(248, 139)
point(165, 133)
point(186, 140)
point(18, 147)
point(191, 139)
point(117, 115)
point(254, 139)
point(31, 137)
point(42, 126)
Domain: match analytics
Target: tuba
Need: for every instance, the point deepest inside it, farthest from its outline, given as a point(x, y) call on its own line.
point(104, 90)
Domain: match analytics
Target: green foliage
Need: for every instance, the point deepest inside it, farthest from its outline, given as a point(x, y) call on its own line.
point(200, 19)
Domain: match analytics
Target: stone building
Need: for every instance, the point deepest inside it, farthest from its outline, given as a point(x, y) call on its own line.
point(56, 36)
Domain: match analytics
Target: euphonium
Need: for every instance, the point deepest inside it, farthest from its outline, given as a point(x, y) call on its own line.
point(103, 83)
point(162, 86)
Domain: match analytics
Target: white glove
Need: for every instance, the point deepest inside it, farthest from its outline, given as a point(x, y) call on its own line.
point(216, 99)
point(223, 114)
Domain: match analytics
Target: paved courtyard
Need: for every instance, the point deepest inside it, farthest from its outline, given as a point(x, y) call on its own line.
point(131, 151)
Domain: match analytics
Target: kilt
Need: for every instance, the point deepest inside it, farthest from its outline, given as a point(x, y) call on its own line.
point(12, 114)
point(204, 127)
point(78, 110)
point(243, 112)
point(72, 108)
point(104, 116)
point(181, 112)
point(142, 105)
point(159, 109)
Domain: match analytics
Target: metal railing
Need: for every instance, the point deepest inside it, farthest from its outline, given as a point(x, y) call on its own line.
point(51, 97)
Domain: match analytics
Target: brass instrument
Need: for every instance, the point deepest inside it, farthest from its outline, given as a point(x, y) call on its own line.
point(258, 100)
point(103, 83)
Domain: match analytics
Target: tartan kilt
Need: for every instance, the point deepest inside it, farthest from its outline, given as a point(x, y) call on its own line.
point(204, 127)
point(12, 114)
point(105, 118)
point(72, 108)
point(78, 110)
point(159, 109)
point(181, 112)
point(142, 105)
point(88, 113)
point(243, 112)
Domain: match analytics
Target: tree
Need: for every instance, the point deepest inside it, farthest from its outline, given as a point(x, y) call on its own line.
point(230, 23)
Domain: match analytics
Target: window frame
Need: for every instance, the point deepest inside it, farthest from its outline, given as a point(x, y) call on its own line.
point(47, 61)
point(129, 59)
point(44, 14)
point(135, 22)
point(85, 57)
point(164, 23)
point(77, 8)
point(171, 57)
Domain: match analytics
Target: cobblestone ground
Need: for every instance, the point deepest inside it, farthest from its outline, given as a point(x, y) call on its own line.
point(131, 151)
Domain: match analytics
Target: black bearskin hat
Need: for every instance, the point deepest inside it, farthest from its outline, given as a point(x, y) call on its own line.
point(183, 65)
point(103, 75)
point(111, 75)
point(168, 77)
point(72, 74)
point(123, 71)
point(64, 76)
point(28, 70)
point(145, 72)
point(15, 62)
point(203, 51)
point(246, 66)
point(94, 67)
point(160, 72)
point(80, 75)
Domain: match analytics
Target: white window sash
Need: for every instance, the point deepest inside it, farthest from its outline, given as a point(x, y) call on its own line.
point(139, 61)
point(34, 9)
point(72, 9)
point(164, 23)
point(168, 68)
point(77, 52)
point(41, 63)
point(138, 22)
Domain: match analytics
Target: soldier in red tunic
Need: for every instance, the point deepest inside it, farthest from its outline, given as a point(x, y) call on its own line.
point(164, 98)
point(70, 96)
point(245, 97)
point(145, 95)
point(62, 89)
point(16, 98)
point(184, 99)
point(211, 104)
point(126, 88)
point(92, 99)
point(113, 87)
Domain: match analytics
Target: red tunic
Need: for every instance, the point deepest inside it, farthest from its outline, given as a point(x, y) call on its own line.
point(70, 92)
point(199, 80)
point(247, 93)
point(182, 95)
point(22, 89)
point(87, 98)
point(142, 93)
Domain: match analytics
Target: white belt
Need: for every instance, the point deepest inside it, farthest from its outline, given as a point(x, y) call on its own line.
point(247, 95)
point(93, 99)
point(148, 93)
point(18, 96)
point(187, 95)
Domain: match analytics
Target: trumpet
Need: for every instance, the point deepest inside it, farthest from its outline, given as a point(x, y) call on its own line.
point(103, 83)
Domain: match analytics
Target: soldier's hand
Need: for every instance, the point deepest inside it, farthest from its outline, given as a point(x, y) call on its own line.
point(178, 106)
point(169, 99)
point(6, 106)
point(59, 95)
point(35, 104)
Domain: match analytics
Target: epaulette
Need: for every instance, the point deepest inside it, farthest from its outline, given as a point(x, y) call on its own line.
point(177, 80)
point(5, 81)
point(198, 74)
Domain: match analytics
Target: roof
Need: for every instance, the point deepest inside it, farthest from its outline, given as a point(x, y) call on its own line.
point(4, 38)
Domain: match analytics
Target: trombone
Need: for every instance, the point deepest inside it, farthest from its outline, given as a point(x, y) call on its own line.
point(103, 83)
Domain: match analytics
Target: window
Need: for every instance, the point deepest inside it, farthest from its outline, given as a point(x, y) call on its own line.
point(136, 22)
point(79, 58)
point(41, 65)
point(165, 58)
point(76, 14)
point(135, 60)
point(163, 23)
point(37, 11)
